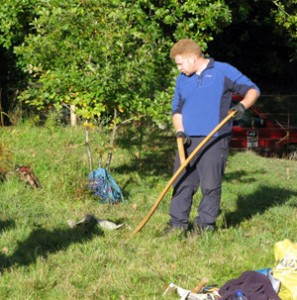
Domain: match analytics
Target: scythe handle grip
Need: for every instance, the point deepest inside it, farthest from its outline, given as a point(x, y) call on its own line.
point(181, 150)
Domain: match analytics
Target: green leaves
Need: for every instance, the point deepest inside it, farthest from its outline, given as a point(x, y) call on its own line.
point(193, 19)
point(101, 55)
point(93, 55)
point(286, 15)
point(15, 15)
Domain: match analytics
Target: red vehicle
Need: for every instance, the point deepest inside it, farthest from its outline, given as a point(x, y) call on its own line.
point(260, 132)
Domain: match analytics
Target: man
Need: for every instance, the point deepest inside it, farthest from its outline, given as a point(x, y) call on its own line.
point(202, 98)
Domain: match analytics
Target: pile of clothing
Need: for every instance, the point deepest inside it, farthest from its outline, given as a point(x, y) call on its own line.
point(279, 283)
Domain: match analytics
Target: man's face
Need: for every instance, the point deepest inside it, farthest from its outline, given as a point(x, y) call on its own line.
point(185, 64)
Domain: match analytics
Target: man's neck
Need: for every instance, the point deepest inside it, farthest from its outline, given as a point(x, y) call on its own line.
point(202, 64)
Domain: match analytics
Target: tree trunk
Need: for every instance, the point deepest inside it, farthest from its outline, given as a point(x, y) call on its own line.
point(89, 150)
point(112, 139)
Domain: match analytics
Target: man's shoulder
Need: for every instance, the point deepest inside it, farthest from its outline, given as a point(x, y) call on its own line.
point(221, 65)
point(225, 68)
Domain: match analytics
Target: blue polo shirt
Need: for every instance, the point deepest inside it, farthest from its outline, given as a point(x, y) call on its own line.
point(204, 100)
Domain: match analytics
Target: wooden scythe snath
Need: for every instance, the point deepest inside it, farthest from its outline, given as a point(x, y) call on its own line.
point(181, 150)
point(180, 169)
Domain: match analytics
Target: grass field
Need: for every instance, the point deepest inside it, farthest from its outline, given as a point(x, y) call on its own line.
point(43, 258)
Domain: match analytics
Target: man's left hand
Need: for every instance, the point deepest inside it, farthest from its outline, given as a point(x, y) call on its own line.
point(240, 109)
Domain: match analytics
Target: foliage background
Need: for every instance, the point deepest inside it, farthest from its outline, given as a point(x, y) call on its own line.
point(106, 56)
point(103, 55)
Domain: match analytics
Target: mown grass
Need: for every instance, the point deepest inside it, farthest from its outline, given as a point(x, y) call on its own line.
point(42, 258)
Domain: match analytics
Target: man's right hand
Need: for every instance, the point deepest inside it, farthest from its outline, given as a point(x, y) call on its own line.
point(186, 139)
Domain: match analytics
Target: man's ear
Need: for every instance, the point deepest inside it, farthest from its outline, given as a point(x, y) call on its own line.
point(192, 59)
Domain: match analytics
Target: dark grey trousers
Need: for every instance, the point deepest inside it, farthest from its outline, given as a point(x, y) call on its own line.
point(206, 171)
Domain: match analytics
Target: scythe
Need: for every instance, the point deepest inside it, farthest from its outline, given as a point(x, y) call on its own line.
point(180, 169)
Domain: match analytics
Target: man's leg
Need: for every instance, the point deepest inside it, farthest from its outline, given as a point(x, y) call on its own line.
point(184, 189)
point(211, 169)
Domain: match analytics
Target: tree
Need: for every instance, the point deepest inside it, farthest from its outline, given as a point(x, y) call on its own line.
point(109, 58)
point(93, 55)
point(196, 19)
point(106, 55)
point(286, 16)
point(15, 16)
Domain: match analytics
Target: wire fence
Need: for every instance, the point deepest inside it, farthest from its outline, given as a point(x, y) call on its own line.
point(281, 108)
point(270, 127)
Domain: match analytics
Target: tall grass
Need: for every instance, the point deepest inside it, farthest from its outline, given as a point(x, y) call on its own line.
point(42, 258)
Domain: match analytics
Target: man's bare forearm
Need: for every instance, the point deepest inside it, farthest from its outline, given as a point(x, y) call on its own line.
point(250, 98)
point(177, 120)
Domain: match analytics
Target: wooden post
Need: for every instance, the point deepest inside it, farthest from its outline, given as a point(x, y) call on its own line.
point(73, 118)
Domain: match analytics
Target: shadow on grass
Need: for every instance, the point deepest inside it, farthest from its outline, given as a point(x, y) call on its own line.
point(153, 159)
point(7, 224)
point(262, 199)
point(151, 163)
point(42, 242)
point(152, 151)
point(242, 176)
